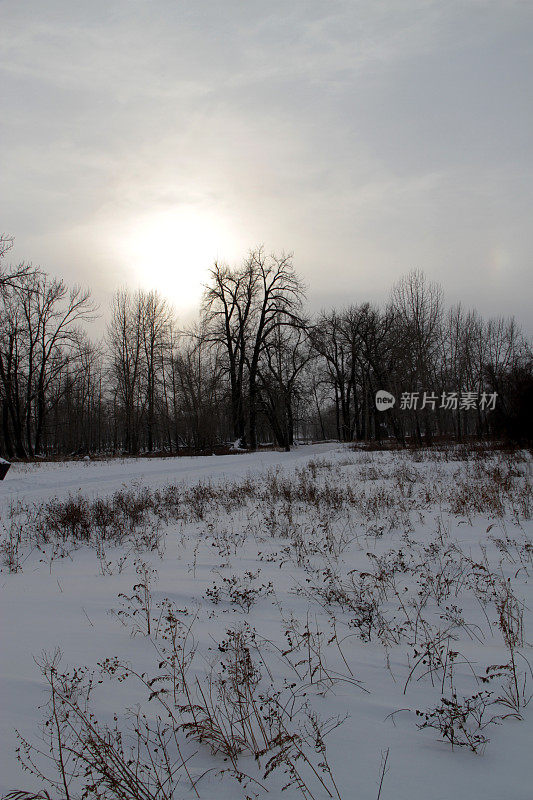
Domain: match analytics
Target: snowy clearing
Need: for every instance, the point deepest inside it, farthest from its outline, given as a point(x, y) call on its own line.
point(324, 620)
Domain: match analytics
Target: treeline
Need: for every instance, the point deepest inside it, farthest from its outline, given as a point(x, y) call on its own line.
point(255, 369)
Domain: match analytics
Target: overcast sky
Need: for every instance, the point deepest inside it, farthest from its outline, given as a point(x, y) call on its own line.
point(140, 139)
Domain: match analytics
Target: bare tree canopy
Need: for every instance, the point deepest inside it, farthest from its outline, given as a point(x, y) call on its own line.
point(254, 369)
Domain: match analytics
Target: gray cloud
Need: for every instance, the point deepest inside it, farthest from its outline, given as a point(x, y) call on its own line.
point(367, 137)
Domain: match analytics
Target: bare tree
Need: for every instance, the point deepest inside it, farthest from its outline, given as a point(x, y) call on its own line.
point(156, 321)
point(285, 356)
point(253, 365)
point(227, 309)
point(278, 302)
point(10, 277)
point(200, 405)
point(418, 304)
point(242, 309)
point(125, 340)
point(40, 327)
point(329, 341)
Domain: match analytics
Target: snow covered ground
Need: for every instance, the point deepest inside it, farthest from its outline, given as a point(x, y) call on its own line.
point(351, 587)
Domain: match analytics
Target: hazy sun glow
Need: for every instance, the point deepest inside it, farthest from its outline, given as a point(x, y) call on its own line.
point(172, 252)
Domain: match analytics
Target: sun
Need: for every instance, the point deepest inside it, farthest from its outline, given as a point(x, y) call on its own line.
point(172, 251)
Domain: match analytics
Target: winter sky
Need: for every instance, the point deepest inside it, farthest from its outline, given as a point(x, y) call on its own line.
point(141, 139)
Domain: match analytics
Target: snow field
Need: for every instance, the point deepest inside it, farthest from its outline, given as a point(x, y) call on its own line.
point(339, 586)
